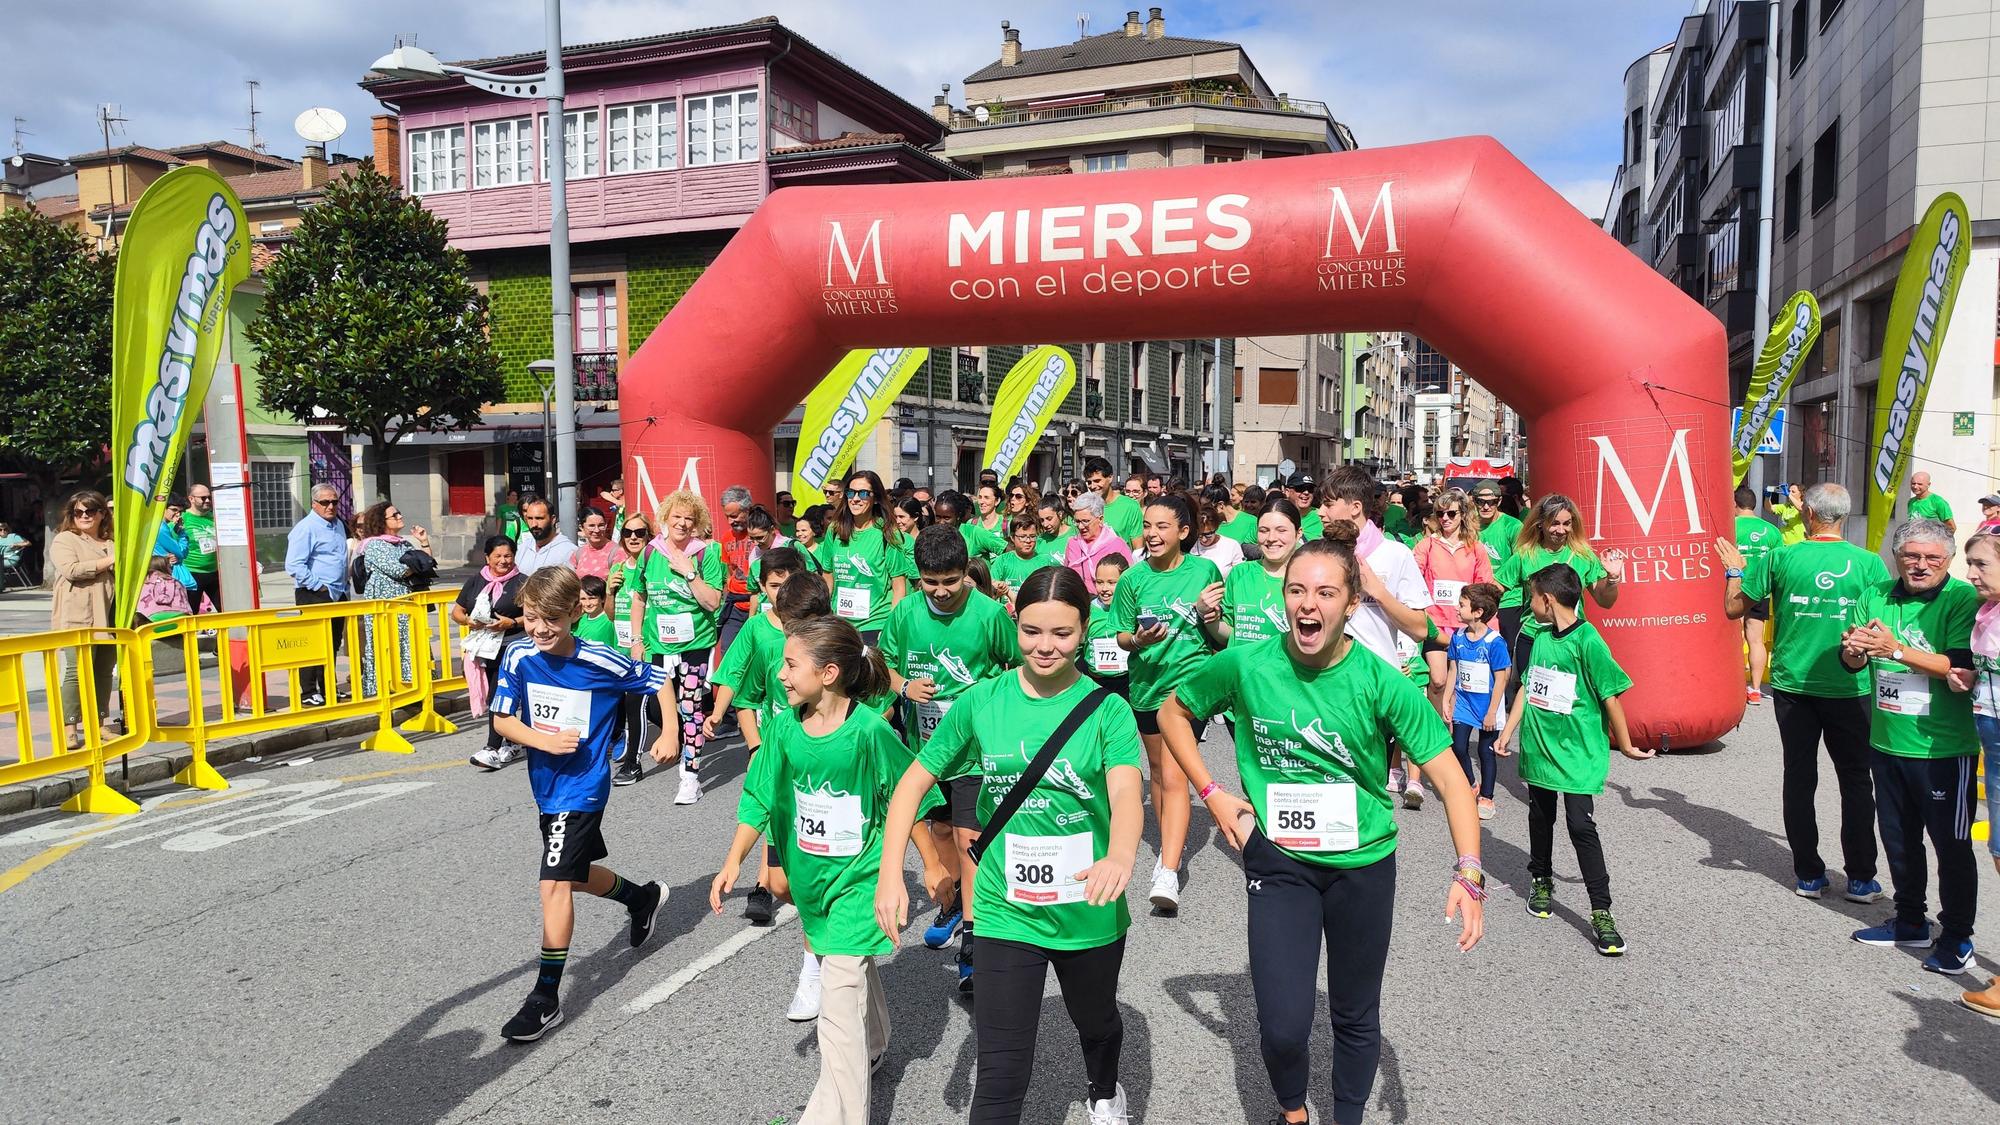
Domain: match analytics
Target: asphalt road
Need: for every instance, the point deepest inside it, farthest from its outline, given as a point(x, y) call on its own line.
point(339, 940)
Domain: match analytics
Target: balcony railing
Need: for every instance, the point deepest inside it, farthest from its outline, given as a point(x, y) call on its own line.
point(597, 376)
point(1001, 114)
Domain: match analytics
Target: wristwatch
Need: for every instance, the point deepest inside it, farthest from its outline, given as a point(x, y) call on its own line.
point(1897, 655)
point(1732, 572)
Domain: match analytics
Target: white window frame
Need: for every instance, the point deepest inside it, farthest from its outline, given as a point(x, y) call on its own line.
point(580, 126)
point(1106, 162)
point(509, 137)
point(426, 149)
point(626, 137)
point(743, 128)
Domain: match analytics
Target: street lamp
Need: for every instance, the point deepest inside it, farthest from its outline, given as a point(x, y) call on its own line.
point(544, 373)
point(417, 64)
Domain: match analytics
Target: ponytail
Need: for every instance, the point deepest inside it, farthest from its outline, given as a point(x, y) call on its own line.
point(830, 640)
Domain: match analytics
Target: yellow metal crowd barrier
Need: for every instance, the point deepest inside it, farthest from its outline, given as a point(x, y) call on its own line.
point(48, 740)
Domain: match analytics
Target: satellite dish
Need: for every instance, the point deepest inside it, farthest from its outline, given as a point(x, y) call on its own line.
point(320, 125)
point(982, 115)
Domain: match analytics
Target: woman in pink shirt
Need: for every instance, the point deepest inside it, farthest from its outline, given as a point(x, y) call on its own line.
point(594, 555)
point(1451, 558)
point(1093, 541)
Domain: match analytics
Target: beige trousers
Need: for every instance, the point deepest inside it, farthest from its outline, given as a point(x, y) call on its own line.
point(853, 1031)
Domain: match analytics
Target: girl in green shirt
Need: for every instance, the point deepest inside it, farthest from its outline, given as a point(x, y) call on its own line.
point(1103, 657)
point(1314, 713)
point(1056, 895)
point(1249, 605)
point(819, 789)
point(1158, 616)
point(865, 559)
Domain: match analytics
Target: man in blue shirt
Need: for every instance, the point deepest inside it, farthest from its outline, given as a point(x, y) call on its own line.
point(316, 558)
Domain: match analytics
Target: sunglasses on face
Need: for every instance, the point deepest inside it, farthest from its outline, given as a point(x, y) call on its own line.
point(635, 533)
point(84, 513)
point(322, 503)
point(1451, 512)
point(860, 494)
point(1487, 502)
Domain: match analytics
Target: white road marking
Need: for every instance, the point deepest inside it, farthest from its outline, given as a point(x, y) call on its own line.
point(730, 947)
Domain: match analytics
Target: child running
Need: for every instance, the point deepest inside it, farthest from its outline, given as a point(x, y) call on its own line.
point(819, 789)
point(937, 647)
point(1476, 686)
point(1107, 661)
point(1570, 693)
point(1026, 555)
point(559, 698)
point(594, 625)
point(1060, 801)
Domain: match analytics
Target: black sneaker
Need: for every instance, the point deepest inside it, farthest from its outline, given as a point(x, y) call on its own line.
point(965, 959)
point(538, 1014)
point(1609, 941)
point(761, 906)
point(651, 897)
point(629, 771)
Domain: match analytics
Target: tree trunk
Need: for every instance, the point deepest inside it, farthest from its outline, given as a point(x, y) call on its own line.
point(384, 451)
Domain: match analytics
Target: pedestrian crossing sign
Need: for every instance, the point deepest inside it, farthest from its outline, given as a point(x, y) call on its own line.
point(1774, 442)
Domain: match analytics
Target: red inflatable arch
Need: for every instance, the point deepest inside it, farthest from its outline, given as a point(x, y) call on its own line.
point(1455, 241)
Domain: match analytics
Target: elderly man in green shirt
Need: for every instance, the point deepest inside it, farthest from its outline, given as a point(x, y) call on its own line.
point(1928, 505)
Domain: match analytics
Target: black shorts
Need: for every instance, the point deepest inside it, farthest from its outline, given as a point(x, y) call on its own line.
point(964, 799)
point(1120, 686)
point(941, 814)
point(571, 842)
point(1759, 611)
point(1149, 721)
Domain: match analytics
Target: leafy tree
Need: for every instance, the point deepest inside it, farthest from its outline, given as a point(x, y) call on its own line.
point(55, 351)
point(369, 319)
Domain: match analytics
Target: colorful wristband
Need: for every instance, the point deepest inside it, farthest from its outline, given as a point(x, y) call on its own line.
point(1477, 892)
point(1209, 789)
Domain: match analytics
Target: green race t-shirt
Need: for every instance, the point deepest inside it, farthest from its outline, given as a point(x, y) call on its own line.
point(1253, 602)
point(1102, 657)
point(750, 667)
point(1513, 574)
point(596, 627)
point(1813, 585)
point(1930, 506)
point(981, 543)
point(1793, 523)
point(1124, 516)
point(822, 801)
point(1312, 745)
point(1169, 595)
point(674, 622)
point(1569, 676)
point(200, 532)
point(1012, 569)
point(1024, 891)
point(1242, 527)
point(1499, 538)
point(958, 651)
point(1311, 526)
point(1915, 715)
point(1054, 548)
point(629, 579)
point(862, 569)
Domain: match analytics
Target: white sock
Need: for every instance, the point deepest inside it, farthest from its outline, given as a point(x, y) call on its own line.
point(809, 967)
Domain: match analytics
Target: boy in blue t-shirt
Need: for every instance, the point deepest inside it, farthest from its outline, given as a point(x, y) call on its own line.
point(1476, 686)
point(559, 697)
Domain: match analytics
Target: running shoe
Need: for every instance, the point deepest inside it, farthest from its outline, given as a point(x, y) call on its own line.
point(1950, 958)
point(1811, 888)
point(1111, 1110)
point(538, 1014)
point(1166, 893)
point(1609, 941)
point(1413, 793)
point(690, 790)
point(761, 906)
point(651, 897)
point(805, 1000)
point(965, 959)
point(944, 927)
point(510, 752)
point(1542, 897)
point(1895, 933)
point(487, 758)
point(1864, 890)
point(1487, 810)
point(1755, 696)
point(1397, 779)
point(629, 771)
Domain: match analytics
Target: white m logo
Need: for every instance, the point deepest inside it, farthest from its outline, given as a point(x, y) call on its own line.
point(1607, 458)
point(690, 480)
point(1341, 213)
point(871, 251)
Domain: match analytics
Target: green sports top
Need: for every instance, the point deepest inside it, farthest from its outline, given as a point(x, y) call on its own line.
point(1930, 506)
point(1570, 674)
point(1012, 569)
point(1513, 574)
point(1101, 656)
point(1916, 715)
point(1169, 595)
point(1253, 602)
point(955, 651)
point(596, 627)
point(749, 667)
point(1813, 586)
point(200, 532)
point(980, 542)
point(1312, 744)
point(674, 622)
point(1499, 537)
point(863, 569)
point(1242, 527)
point(1124, 516)
point(1756, 538)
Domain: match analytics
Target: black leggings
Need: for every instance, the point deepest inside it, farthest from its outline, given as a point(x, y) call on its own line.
point(1294, 908)
point(1579, 810)
point(491, 665)
point(1007, 1011)
point(1803, 720)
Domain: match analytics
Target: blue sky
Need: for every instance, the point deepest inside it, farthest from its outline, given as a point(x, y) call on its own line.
point(1544, 76)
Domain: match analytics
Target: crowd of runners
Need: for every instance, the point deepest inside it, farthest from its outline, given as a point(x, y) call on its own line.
point(1010, 683)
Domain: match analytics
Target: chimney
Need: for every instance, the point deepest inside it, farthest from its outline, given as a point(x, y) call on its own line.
point(1156, 24)
point(1133, 28)
point(1010, 45)
point(313, 168)
point(941, 106)
point(388, 133)
point(12, 198)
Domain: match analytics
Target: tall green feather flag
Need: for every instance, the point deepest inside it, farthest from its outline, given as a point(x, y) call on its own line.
point(1028, 397)
point(184, 248)
point(842, 411)
point(1785, 349)
point(1919, 313)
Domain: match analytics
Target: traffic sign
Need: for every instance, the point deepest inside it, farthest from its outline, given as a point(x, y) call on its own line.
point(1774, 442)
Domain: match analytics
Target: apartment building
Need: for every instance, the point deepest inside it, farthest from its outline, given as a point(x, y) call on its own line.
point(1632, 186)
point(1137, 98)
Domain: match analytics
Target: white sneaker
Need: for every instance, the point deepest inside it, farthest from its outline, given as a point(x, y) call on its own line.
point(488, 758)
point(511, 752)
point(1413, 793)
point(1110, 1111)
point(1166, 893)
point(689, 793)
point(805, 1000)
point(1396, 781)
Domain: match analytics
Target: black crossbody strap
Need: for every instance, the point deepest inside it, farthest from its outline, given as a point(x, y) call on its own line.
point(1032, 776)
